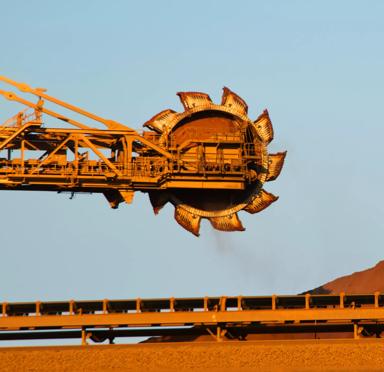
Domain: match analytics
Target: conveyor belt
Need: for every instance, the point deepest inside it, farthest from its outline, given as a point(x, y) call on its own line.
point(222, 317)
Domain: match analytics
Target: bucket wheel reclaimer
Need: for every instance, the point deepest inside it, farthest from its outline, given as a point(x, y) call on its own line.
point(210, 161)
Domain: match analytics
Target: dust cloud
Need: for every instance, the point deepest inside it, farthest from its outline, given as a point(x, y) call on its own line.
point(253, 267)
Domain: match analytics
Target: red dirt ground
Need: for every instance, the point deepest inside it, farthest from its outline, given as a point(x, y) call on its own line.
point(318, 355)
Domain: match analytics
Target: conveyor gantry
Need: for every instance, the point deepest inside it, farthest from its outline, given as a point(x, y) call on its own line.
point(221, 317)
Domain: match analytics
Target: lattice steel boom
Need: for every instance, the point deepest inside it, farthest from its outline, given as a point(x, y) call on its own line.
point(210, 161)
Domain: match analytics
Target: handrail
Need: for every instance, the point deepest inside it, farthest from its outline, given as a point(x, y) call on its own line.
point(39, 92)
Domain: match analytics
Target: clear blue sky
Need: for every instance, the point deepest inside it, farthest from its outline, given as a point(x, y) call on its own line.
point(317, 67)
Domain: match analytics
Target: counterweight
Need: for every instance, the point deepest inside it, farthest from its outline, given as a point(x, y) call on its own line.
point(210, 161)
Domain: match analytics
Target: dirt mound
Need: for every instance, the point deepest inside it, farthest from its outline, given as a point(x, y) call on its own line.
point(366, 281)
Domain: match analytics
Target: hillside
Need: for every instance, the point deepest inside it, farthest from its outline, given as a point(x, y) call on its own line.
point(366, 281)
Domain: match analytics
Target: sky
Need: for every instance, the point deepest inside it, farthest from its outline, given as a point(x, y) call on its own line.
point(318, 68)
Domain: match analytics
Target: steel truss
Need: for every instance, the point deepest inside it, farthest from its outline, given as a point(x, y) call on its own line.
point(115, 161)
point(221, 317)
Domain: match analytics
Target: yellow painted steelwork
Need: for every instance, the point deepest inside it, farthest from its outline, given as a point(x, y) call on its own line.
point(210, 161)
point(360, 314)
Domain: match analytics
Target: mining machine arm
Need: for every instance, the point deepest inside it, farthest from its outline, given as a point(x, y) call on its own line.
point(210, 161)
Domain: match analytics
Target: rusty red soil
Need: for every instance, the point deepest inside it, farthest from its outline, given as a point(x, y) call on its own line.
point(315, 355)
point(366, 281)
